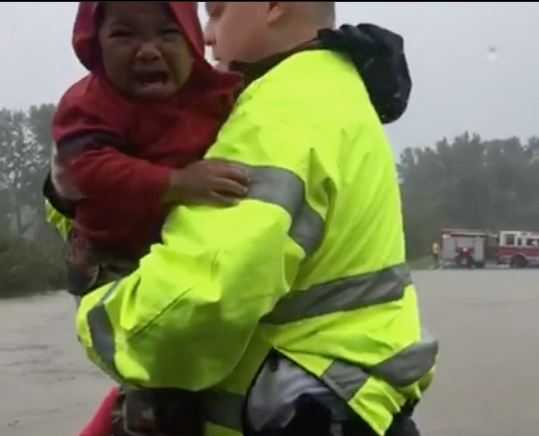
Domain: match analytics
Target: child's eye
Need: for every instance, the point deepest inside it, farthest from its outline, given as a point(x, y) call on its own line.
point(170, 31)
point(121, 33)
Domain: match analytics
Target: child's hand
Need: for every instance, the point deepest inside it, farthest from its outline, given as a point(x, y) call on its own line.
point(208, 181)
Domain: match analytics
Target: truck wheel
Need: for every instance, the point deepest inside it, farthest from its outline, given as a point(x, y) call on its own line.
point(518, 262)
point(465, 261)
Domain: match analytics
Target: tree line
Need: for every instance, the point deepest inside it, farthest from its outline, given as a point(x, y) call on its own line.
point(464, 182)
point(469, 182)
point(31, 258)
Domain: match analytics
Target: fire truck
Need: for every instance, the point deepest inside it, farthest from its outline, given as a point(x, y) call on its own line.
point(518, 249)
point(464, 248)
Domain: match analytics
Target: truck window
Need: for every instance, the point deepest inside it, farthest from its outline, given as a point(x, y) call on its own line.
point(510, 240)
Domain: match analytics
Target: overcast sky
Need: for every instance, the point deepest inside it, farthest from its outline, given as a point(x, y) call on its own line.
point(456, 86)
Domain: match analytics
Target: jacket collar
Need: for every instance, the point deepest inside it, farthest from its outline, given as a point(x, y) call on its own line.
point(252, 71)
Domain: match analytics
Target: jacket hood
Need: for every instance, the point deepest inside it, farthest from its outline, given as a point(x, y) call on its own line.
point(86, 47)
point(379, 57)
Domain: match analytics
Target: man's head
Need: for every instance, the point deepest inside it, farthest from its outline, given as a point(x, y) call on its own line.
point(250, 31)
point(144, 52)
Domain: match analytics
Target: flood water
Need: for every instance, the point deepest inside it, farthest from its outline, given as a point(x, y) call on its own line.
point(487, 382)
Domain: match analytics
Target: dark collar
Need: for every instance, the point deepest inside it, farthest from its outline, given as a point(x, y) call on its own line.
point(252, 71)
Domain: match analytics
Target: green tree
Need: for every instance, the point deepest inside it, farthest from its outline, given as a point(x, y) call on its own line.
point(30, 252)
point(465, 182)
point(469, 183)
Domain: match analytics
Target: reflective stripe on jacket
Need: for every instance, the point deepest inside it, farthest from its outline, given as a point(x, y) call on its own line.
point(311, 264)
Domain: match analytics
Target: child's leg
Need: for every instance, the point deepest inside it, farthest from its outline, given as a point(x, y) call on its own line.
point(101, 422)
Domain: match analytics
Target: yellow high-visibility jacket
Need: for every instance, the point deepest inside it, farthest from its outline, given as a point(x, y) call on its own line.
point(57, 220)
point(311, 264)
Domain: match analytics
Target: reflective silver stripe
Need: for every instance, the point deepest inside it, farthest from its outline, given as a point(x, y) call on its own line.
point(285, 189)
point(225, 409)
point(221, 408)
point(342, 295)
point(102, 332)
point(410, 364)
point(268, 184)
point(345, 379)
point(404, 368)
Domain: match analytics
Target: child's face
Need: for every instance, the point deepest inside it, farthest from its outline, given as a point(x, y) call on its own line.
point(144, 53)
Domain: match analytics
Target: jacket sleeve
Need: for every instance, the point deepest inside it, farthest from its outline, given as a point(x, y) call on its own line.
point(58, 221)
point(102, 171)
point(92, 157)
point(185, 317)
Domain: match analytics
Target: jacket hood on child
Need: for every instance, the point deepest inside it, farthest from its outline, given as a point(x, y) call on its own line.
point(93, 104)
point(92, 116)
point(86, 47)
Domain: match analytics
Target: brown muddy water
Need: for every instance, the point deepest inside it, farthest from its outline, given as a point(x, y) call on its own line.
point(487, 384)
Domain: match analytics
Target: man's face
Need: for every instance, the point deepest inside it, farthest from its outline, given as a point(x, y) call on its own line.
point(238, 31)
point(144, 53)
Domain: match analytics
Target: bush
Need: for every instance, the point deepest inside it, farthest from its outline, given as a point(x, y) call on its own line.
point(28, 267)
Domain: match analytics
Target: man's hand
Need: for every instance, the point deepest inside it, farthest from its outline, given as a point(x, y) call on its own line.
point(209, 181)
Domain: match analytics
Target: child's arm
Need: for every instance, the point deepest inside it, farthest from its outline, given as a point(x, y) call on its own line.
point(98, 169)
point(91, 155)
point(91, 160)
point(102, 171)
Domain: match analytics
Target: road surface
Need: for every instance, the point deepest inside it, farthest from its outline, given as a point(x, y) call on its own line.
point(487, 384)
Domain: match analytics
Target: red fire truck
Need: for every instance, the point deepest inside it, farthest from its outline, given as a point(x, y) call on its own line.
point(518, 249)
point(466, 248)
point(476, 248)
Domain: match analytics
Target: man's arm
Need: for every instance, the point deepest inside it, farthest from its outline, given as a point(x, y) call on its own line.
point(185, 317)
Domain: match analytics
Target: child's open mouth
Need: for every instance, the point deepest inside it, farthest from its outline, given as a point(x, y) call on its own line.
point(151, 79)
point(152, 83)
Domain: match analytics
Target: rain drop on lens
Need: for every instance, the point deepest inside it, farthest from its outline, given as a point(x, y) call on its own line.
point(492, 54)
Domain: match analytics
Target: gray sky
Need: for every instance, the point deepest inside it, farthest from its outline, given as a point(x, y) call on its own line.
point(456, 87)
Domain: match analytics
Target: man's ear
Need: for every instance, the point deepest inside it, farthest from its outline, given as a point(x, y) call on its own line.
point(276, 11)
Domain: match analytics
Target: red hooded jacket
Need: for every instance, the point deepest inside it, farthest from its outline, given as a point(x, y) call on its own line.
point(113, 156)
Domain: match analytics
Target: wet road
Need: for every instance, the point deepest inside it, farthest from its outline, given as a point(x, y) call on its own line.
point(487, 384)
point(46, 386)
